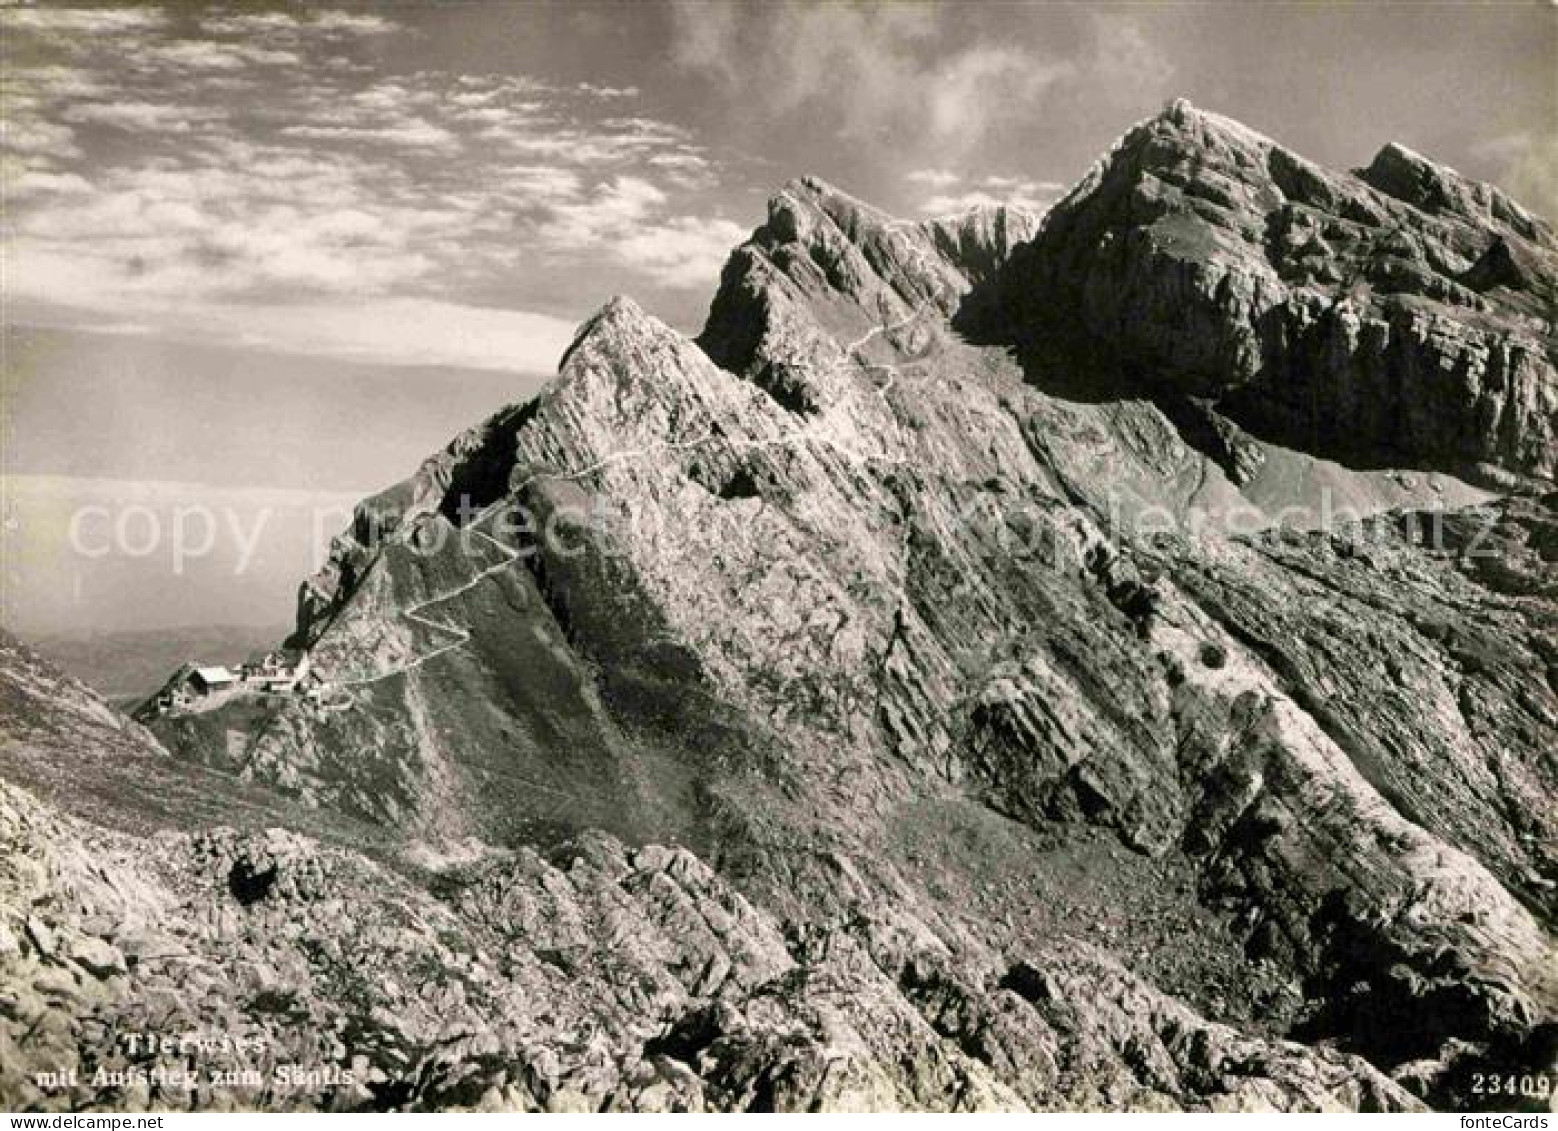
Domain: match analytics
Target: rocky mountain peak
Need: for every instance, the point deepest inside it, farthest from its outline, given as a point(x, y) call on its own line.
point(1437, 189)
point(617, 311)
point(1206, 129)
point(619, 318)
point(1402, 315)
point(797, 210)
point(826, 267)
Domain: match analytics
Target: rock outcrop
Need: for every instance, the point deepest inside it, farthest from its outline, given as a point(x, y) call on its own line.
point(1397, 316)
point(845, 710)
point(228, 970)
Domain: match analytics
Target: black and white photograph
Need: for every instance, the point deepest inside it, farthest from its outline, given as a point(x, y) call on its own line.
point(811, 556)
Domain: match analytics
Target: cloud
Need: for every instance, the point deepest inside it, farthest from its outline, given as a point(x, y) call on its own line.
point(534, 130)
point(684, 162)
point(417, 133)
point(392, 97)
point(1125, 66)
point(269, 162)
point(607, 92)
point(189, 54)
point(357, 23)
point(405, 331)
point(685, 251)
point(955, 195)
point(171, 230)
point(686, 169)
point(144, 116)
point(1528, 168)
point(920, 86)
point(21, 133)
point(23, 183)
point(1504, 149)
point(705, 36)
point(388, 331)
point(540, 184)
point(933, 178)
point(872, 66)
point(625, 218)
point(84, 21)
point(615, 206)
point(281, 24)
point(975, 86)
point(59, 82)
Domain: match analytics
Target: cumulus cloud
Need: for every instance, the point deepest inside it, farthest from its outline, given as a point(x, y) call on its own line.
point(613, 208)
point(625, 217)
point(251, 24)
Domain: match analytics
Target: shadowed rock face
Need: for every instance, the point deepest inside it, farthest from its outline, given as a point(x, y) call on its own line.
point(1019, 738)
point(1398, 316)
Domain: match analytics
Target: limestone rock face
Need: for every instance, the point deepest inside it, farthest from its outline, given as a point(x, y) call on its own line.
point(844, 710)
point(1397, 316)
point(826, 269)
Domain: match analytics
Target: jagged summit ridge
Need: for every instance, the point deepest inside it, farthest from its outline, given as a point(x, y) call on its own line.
point(1398, 316)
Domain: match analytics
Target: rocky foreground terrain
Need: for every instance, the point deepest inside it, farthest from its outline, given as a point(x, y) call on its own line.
point(1105, 660)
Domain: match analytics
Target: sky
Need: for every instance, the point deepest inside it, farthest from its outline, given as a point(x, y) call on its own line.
point(270, 248)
